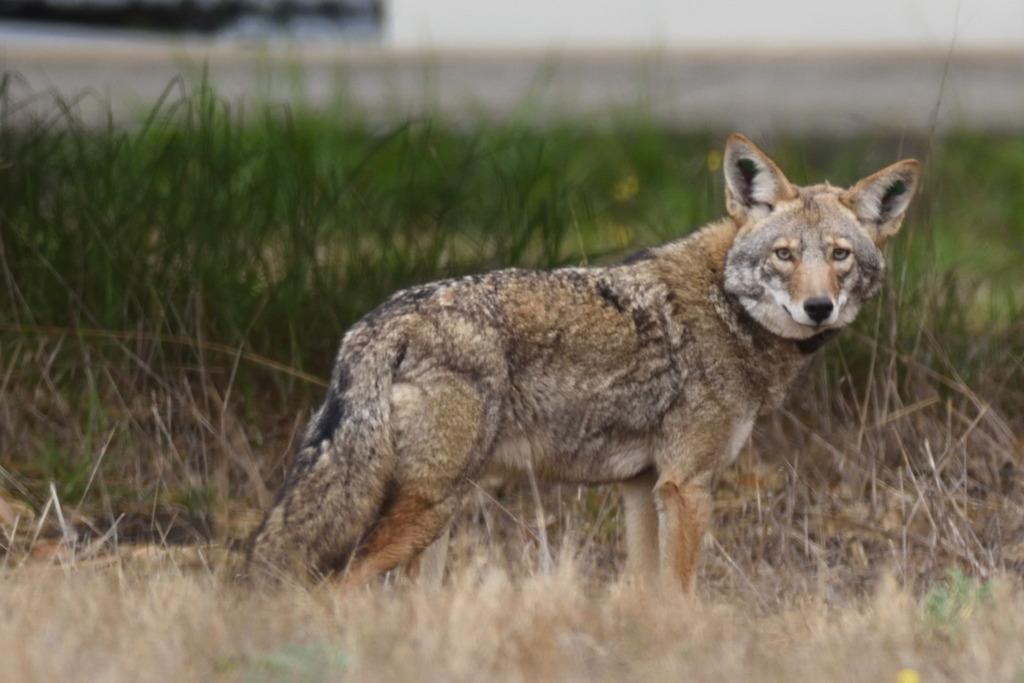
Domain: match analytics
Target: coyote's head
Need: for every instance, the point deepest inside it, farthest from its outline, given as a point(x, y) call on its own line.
point(806, 258)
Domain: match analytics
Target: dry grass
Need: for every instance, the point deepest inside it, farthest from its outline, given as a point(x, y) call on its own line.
point(159, 616)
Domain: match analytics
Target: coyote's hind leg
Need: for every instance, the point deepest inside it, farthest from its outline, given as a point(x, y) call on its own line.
point(408, 526)
point(441, 430)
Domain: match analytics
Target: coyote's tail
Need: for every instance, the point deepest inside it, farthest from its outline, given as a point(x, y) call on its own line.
point(340, 476)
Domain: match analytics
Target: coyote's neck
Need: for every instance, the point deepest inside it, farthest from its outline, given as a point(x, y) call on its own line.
point(812, 344)
point(693, 269)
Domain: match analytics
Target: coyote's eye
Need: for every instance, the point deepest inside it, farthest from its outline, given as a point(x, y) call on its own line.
point(840, 254)
point(784, 254)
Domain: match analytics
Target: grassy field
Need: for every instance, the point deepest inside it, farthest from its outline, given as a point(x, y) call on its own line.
point(172, 296)
point(158, 621)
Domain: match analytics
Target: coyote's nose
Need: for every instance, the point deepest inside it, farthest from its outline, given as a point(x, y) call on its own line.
point(818, 308)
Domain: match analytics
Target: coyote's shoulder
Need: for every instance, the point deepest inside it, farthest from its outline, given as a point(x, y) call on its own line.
point(655, 366)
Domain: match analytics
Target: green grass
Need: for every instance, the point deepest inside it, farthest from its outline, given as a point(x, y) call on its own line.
point(949, 602)
point(279, 227)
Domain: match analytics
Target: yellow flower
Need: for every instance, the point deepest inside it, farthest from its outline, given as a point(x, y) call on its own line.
point(626, 188)
point(623, 235)
point(908, 676)
point(714, 160)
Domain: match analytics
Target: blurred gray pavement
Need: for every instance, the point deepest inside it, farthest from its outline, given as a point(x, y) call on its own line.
point(769, 90)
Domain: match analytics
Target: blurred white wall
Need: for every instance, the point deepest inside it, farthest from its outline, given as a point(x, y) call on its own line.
point(704, 24)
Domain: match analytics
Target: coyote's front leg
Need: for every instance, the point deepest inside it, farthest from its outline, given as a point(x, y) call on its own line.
point(641, 521)
point(684, 510)
point(682, 494)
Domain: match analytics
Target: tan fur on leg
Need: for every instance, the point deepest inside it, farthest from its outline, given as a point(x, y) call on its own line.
point(684, 512)
point(406, 528)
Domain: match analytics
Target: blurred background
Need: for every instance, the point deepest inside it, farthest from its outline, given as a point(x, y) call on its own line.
point(198, 197)
point(788, 65)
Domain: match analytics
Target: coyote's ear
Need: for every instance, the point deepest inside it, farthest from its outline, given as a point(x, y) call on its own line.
point(881, 199)
point(751, 178)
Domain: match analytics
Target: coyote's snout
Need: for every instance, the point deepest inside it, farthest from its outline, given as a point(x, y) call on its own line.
point(649, 373)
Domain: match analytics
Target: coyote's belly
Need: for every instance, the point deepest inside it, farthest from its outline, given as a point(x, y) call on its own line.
point(584, 428)
point(536, 454)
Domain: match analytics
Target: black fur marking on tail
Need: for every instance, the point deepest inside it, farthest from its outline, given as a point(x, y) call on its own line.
point(328, 420)
point(325, 424)
point(332, 412)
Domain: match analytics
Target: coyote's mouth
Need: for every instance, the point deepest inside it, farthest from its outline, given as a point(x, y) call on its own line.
point(778, 317)
point(806, 321)
point(813, 325)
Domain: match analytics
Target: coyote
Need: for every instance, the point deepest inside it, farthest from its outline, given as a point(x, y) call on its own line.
point(648, 373)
